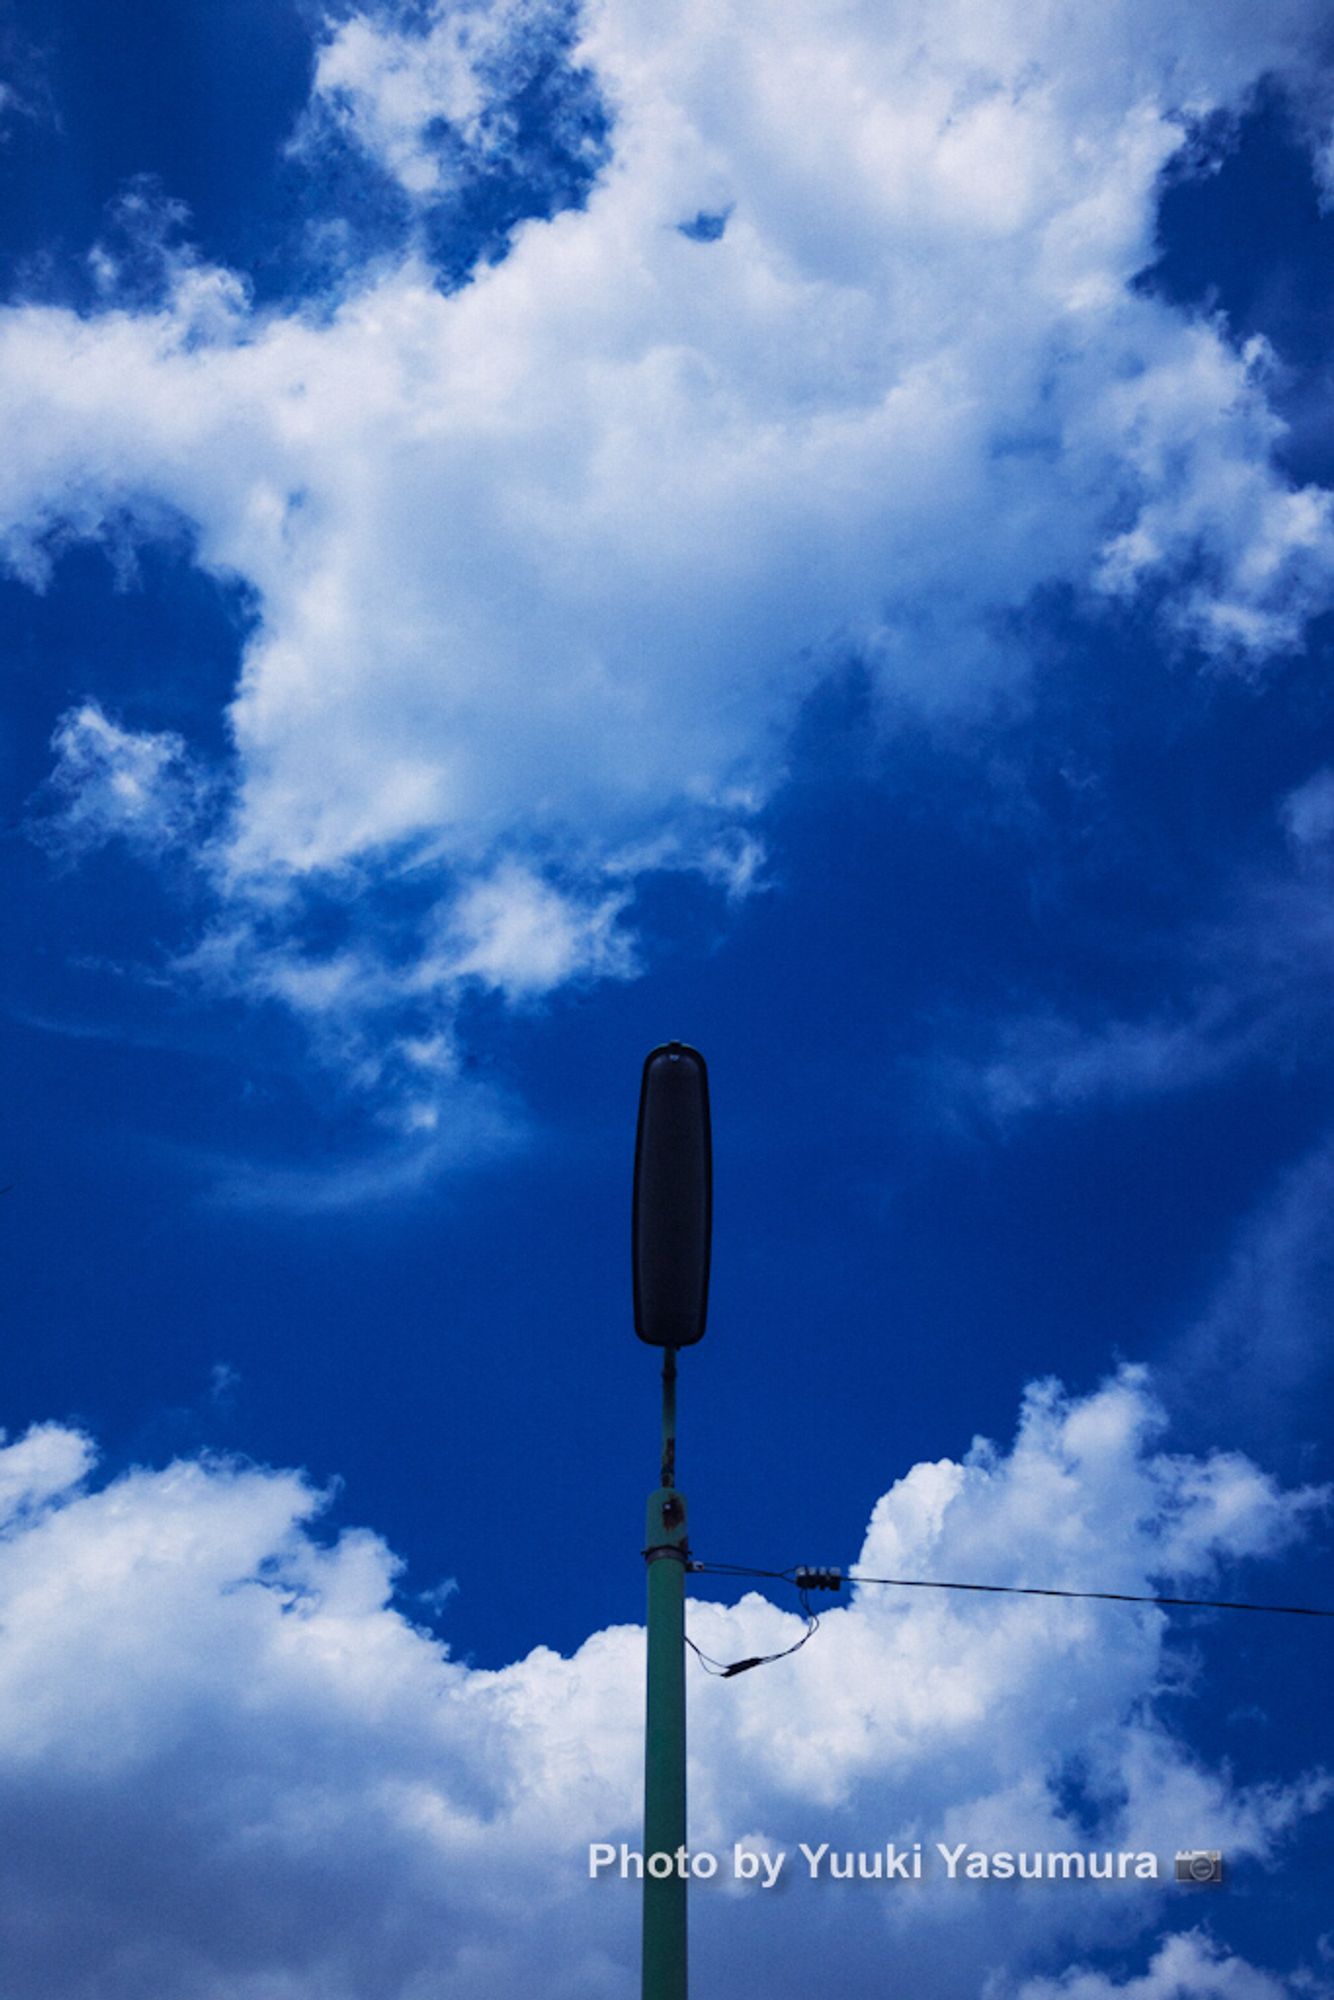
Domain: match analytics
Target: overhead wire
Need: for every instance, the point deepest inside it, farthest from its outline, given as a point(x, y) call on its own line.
point(725, 1672)
point(797, 1570)
point(1103, 1596)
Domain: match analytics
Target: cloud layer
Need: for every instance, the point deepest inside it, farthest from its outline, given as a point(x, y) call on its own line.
point(544, 564)
point(1188, 1967)
point(233, 1770)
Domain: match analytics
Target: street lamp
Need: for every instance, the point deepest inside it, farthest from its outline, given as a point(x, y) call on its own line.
point(671, 1232)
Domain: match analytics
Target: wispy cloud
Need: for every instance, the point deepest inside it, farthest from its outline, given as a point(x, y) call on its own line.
point(112, 783)
point(1246, 984)
point(432, 1131)
point(1261, 1342)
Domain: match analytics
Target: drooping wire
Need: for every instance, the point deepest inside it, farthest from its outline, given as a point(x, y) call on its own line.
point(728, 1672)
point(1027, 1590)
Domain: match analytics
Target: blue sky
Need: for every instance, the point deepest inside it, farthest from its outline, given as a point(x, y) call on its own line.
point(530, 533)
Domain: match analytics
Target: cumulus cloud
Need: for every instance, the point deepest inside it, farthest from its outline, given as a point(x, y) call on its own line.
point(234, 1770)
point(1254, 555)
point(545, 564)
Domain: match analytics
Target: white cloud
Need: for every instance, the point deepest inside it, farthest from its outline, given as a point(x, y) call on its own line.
point(543, 568)
point(390, 89)
point(233, 1771)
point(385, 1021)
point(519, 935)
point(1264, 549)
point(44, 1464)
point(111, 783)
point(1187, 1967)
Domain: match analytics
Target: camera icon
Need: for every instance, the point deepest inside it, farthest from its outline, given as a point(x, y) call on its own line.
point(1199, 1864)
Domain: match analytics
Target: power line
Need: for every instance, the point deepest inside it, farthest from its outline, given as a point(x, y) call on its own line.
point(1017, 1590)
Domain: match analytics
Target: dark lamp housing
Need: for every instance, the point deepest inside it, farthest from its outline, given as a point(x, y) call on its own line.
point(673, 1203)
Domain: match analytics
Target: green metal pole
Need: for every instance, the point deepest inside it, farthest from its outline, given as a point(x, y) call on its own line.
point(665, 1724)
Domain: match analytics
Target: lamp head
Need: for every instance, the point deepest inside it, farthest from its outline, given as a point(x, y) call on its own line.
point(672, 1222)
